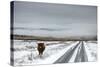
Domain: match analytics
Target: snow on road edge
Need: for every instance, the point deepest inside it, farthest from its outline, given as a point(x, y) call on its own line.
point(89, 55)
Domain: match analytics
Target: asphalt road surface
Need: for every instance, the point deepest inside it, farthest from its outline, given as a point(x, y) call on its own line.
point(81, 55)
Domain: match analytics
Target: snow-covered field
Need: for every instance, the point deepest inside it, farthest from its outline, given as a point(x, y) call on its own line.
point(91, 49)
point(25, 52)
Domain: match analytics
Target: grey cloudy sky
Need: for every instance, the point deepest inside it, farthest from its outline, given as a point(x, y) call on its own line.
point(68, 19)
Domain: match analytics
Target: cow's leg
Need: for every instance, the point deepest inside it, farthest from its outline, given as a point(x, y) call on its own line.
point(41, 53)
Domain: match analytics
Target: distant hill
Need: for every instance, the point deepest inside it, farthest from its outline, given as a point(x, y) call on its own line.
point(28, 37)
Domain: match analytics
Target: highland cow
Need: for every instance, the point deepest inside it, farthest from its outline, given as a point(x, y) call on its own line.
point(40, 48)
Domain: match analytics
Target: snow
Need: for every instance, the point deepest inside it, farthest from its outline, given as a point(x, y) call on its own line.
point(56, 56)
point(29, 56)
point(91, 50)
point(51, 53)
point(74, 55)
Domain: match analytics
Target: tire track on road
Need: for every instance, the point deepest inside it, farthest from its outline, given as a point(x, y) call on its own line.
point(66, 57)
point(81, 54)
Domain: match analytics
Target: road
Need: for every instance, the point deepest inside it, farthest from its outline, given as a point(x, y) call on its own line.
point(81, 55)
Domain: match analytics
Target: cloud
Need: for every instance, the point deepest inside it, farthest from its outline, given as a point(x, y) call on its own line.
point(70, 20)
